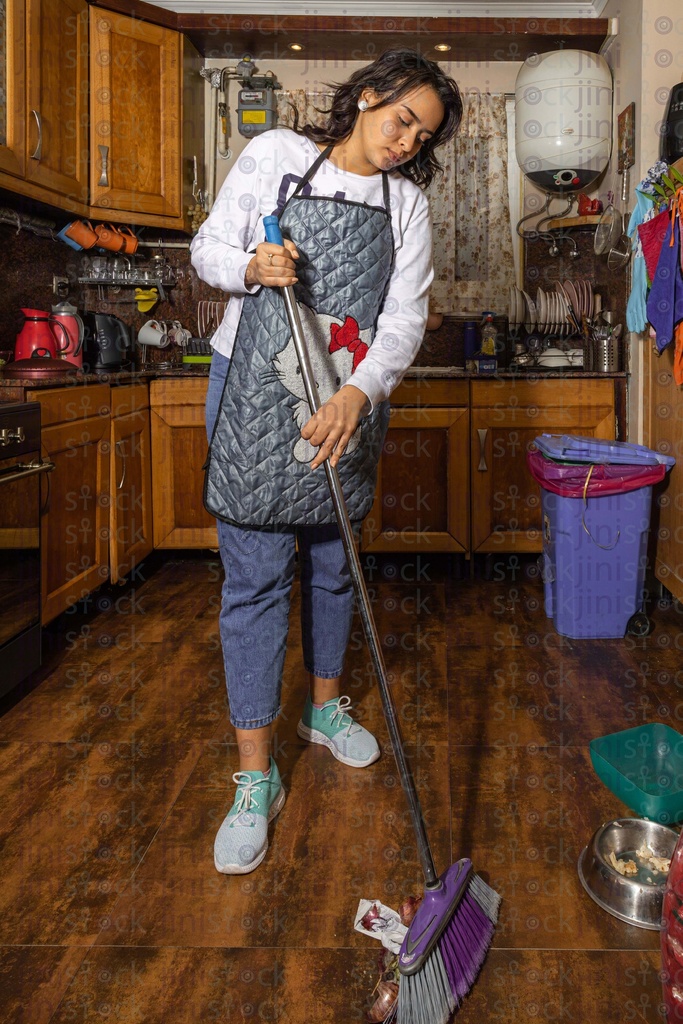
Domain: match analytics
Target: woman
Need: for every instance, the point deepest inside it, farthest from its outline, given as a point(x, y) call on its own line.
point(358, 251)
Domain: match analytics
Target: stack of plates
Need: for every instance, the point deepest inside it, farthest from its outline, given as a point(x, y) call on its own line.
point(552, 313)
point(580, 293)
point(516, 308)
point(548, 314)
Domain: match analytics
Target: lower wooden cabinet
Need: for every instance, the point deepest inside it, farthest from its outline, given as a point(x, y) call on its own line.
point(179, 446)
point(131, 530)
point(452, 477)
point(75, 497)
point(453, 474)
point(422, 497)
point(506, 416)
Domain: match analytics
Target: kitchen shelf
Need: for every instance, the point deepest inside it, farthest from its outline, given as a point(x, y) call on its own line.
point(564, 223)
point(112, 283)
point(338, 37)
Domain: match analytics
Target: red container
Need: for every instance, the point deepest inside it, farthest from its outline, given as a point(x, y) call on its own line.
point(672, 939)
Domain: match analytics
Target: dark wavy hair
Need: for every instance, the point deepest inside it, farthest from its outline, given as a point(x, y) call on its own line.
point(391, 76)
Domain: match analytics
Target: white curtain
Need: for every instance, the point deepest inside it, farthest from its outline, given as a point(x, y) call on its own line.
point(308, 105)
point(473, 250)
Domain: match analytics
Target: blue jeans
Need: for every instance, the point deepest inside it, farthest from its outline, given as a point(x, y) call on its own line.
point(254, 617)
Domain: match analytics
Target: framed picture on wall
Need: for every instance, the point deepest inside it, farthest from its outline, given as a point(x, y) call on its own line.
point(626, 137)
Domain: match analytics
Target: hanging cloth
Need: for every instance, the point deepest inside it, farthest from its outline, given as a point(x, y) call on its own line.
point(636, 313)
point(652, 234)
point(665, 301)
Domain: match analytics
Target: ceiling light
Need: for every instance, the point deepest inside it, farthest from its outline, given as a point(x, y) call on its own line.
point(442, 47)
point(295, 46)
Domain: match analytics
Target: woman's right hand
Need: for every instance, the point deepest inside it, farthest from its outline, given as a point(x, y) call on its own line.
point(272, 265)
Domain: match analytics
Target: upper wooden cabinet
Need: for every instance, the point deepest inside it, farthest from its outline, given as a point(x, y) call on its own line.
point(141, 145)
point(44, 101)
point(12, 87)
point(57, 96)
point(101, 114)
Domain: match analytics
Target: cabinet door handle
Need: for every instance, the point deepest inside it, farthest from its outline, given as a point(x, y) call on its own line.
point(104, 172)
point(38, 151)
point(198, 194)
point(123, 459)
point(483, 433)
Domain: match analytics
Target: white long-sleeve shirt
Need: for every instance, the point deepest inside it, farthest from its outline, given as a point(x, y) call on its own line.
point(265, 175)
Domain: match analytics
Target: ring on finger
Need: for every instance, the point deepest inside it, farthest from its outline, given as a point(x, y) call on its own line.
point(270, 258)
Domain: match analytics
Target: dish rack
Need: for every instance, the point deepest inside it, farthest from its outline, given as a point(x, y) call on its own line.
point(196, 351)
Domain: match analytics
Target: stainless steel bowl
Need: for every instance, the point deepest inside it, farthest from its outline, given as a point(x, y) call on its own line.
point(631, 898)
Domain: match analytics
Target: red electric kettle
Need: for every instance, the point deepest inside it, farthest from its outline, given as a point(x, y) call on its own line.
point(67, 316)
point(39, 335)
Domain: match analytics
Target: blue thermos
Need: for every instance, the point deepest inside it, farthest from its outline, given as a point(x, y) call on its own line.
point(471, 344)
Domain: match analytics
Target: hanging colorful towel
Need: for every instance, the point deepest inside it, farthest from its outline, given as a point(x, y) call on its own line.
point(678, 354)
point(636, 314)
point(652, 233)
point(665, 301)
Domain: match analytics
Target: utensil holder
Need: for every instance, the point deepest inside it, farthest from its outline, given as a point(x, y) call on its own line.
point(604, 355)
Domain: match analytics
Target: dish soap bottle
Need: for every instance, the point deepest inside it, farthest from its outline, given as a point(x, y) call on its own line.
point(487, 362)
point(488, 335)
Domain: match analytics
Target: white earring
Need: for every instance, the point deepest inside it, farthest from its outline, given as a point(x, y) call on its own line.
point(363, 104)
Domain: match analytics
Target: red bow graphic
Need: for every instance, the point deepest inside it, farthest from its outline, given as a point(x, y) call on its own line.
point(346, 336)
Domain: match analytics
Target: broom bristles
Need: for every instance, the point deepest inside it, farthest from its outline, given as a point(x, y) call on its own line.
point(432, 994)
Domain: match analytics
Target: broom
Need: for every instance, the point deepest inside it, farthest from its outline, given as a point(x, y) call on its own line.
point(453, 928)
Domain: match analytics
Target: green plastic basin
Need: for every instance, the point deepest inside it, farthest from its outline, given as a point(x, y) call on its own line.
point(643, 766)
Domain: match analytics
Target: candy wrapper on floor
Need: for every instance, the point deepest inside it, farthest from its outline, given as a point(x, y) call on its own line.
point(380, 922)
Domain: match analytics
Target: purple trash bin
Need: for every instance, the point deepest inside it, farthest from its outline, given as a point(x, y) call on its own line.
point(596, 520)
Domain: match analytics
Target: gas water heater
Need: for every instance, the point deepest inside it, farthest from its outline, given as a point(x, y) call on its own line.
point(563, 119)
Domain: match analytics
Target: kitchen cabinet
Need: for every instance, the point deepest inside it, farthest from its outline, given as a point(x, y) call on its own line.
point(75, 497)
point(663, 431)
point(422, 501)
point(453, 475)
point(505, 417)
point(179, 445)
point(12, 88)
point(130, 484)
point(146, 117)
point(57, 96)
point(44, 140)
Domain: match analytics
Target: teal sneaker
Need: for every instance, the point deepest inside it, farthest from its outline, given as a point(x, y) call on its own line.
point(242, 840)
point(333, 726)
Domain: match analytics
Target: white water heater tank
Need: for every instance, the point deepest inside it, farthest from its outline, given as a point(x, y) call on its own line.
point(563, 119)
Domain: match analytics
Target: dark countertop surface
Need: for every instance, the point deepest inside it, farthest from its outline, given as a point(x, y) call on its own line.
point(9, 386)
point(69, 380)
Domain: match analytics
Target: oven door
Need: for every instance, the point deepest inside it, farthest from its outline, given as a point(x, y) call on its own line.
point(19, 564)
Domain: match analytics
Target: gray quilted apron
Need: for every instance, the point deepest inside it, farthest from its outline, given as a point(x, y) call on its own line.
point(258, 469)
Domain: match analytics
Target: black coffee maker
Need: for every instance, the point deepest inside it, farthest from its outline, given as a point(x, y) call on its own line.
point(671, 144)
point(106, 343)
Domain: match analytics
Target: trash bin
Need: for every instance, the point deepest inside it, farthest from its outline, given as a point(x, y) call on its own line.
point(596, 497)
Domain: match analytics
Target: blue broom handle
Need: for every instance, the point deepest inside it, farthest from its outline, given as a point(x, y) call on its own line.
point(274, 235)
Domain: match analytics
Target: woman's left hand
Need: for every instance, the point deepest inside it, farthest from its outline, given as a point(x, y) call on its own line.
point(332, 426)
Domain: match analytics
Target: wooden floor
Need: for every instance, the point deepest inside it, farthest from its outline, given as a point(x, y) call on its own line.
point(116, 772)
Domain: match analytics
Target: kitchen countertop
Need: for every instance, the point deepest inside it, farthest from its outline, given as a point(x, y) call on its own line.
point(11, 386)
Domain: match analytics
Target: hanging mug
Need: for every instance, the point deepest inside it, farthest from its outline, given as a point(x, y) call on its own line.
point(153, 332)
point(81, 232)
point(178, 335)
point(108, 237)
point(130, 241)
